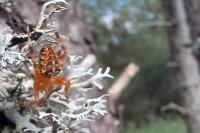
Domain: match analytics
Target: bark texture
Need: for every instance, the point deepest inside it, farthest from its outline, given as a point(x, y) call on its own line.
point(182, 35)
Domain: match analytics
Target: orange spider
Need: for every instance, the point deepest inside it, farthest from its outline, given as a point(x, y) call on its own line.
point(47, 67)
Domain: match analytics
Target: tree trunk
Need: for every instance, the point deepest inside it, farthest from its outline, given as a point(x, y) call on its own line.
point(181, 39)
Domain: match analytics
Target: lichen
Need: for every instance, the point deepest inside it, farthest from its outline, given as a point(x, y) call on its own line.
point(59, 113)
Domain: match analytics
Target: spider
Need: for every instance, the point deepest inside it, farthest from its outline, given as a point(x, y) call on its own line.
point(47, 67)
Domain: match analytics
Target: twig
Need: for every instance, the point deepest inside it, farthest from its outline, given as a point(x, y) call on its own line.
point(173, 106)
point(156, 23)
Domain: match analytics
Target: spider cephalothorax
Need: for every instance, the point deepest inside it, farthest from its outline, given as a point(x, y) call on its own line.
point(47, 66)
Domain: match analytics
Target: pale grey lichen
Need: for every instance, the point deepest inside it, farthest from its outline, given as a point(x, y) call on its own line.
point(60, 114)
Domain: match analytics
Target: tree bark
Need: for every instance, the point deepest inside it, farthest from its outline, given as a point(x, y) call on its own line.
point(181, 39)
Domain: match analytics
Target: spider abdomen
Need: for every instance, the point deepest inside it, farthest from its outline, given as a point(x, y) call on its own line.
point(49, 62)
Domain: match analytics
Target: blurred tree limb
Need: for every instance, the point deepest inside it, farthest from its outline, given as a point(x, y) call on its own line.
point(176, 107)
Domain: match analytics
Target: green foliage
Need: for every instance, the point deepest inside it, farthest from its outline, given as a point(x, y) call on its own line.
point(123, 37)
point(124, 34)
point(159, 125)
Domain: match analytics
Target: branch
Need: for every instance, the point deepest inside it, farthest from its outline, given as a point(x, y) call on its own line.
point(121, 83)
point(173, 106)
point(156, 23)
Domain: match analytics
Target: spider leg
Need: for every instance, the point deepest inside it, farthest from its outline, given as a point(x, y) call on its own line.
point(36, 91)
point(38, 80)
point(61, 81)
point(67, 86)
point(41, 84)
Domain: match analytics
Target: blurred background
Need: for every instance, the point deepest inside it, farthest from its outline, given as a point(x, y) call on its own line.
point(153, 50)
point(150, 34)
point(126, 31)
